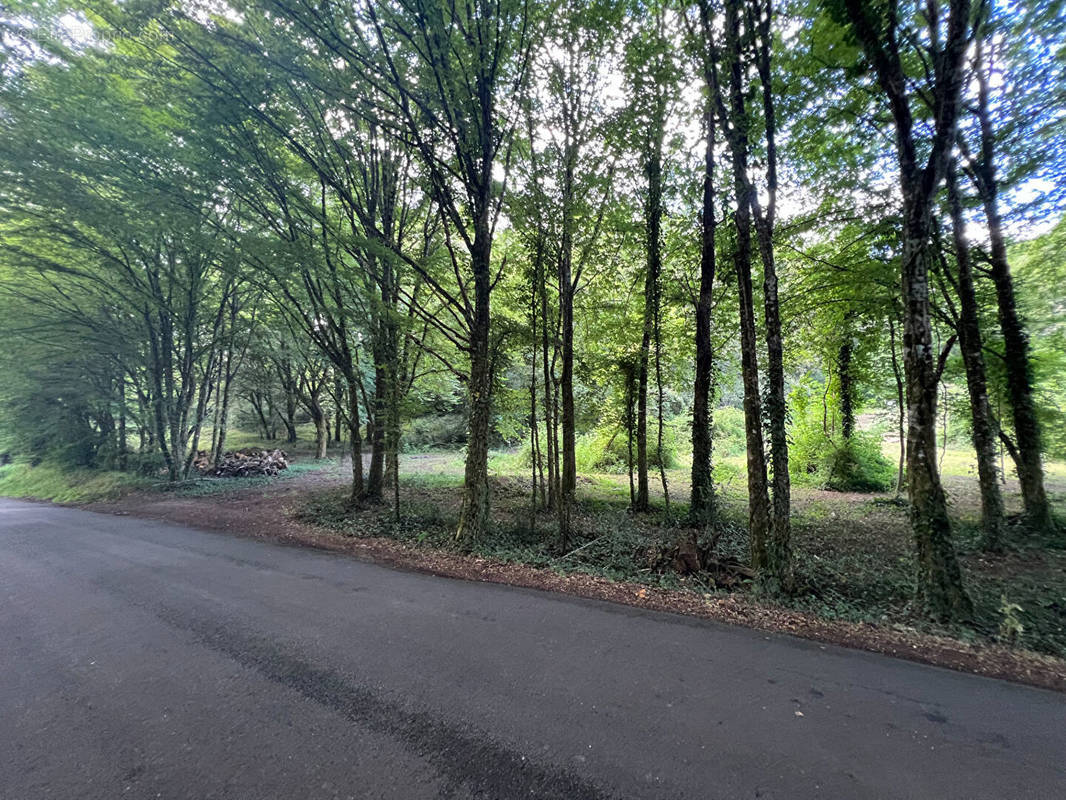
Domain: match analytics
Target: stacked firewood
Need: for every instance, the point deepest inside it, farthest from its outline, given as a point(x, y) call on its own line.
point(202, 462)
point(243, 463)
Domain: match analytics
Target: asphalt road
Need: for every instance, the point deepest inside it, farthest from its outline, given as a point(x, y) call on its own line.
point(144, 660)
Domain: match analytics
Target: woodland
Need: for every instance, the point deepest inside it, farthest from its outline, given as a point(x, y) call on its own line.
point(745, 284)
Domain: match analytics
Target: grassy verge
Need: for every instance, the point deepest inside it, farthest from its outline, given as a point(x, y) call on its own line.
point(63, 484)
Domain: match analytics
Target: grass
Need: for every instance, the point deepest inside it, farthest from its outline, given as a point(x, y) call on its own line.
point(64, 485)
point(304, 444)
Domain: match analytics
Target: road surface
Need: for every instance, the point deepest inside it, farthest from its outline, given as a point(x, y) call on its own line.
point(147, 660)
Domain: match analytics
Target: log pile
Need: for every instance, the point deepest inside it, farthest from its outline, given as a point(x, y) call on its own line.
point(243, 463)
point(202, 462)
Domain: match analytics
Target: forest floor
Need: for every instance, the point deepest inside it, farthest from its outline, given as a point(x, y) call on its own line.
point(852, 555)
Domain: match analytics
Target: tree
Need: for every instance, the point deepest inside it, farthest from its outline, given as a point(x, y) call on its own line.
point(769, 525)
point(124, 226)
point(982, 167)
point(569, 178)
point(653, 74)
point(447, 94)
point(702, 501)
point(971, 345)
point(939, 579)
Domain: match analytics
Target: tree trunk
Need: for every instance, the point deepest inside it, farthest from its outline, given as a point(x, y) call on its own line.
point(321, 432)
point(847, 386)
point(939, 580)
point(474, 517)
point(289, 420)
point(702, 502)
point(392, 439)
point(534, 449)
point(338, 411)
point(641, 503)
point(375, 485)
point(758, 492)
point(939, 584)
point(901, 402)
point(1015, 340)
point(534, 427)
point(223, 419)
point(123, 449)
point(779, 552)
point(983, 430)
point(653, 214)
point(660, 403)
point(568, 482)
point(355, 438)
point(550, 439)
point(630, 399)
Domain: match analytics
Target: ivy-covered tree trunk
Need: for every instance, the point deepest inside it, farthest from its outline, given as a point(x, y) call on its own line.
point(375, 484)
point(568, 484)
point(1015, 340)
point(653, 212)
point(939, 583)
point(758, 492)
point(536, 461)
point(474, 518)
point(779, 566)
point(759, 521)
point(901, 404)
point(355, 436)
point(983, 429)
point(847, 385)
point(701, 502)
point(551, 440)
point(394, 394)
point(939, 586)
point(628, 372)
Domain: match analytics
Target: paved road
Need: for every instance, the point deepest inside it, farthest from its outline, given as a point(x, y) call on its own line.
point(147, 660)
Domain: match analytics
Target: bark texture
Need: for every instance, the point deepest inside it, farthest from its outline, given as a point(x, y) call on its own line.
point(736, 127)
point(653, 215)
point(701, 500)
point(983, 428)
point(1015, 340)
point(939, 586)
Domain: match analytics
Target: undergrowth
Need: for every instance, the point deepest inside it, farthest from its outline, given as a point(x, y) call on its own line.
point(64, 484)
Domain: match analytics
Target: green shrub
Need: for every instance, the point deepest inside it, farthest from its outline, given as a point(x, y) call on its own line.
point(434, 432)
point(729, 432)
point(605, 449)
point(853, 465)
